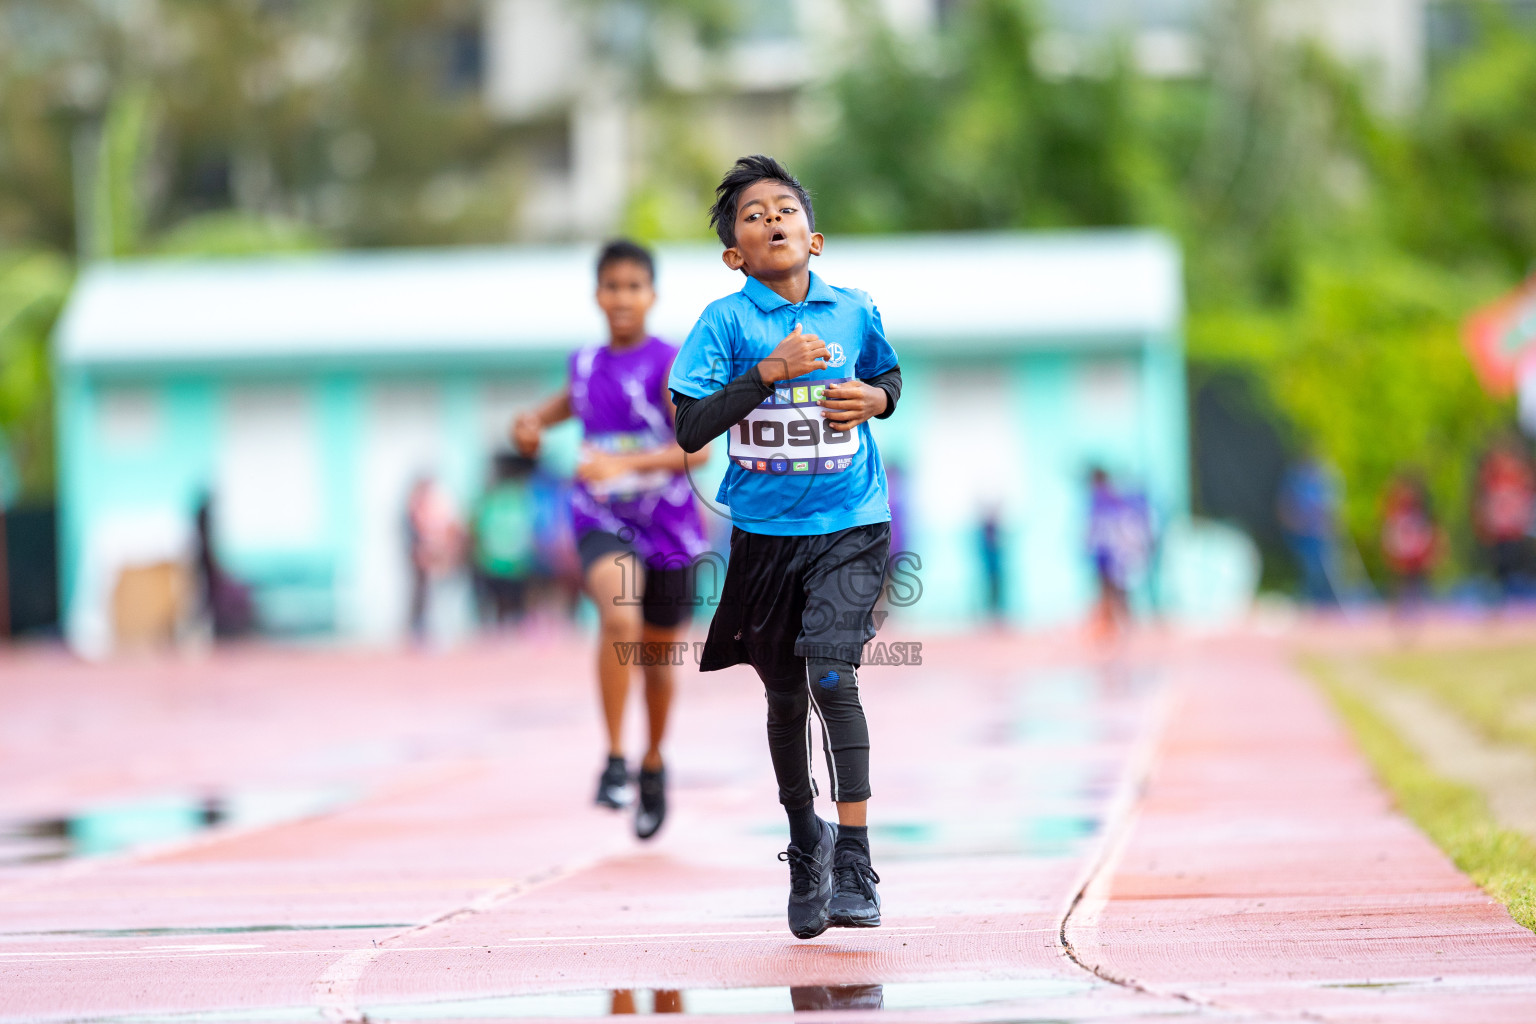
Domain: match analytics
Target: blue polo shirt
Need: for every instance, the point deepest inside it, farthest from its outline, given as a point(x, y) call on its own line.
point(789, 474)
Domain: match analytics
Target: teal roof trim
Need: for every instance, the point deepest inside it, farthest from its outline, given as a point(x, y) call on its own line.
point(991, 290)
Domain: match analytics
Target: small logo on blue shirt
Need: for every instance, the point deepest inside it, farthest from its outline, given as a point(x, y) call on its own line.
point(778, 465)
point(835, 356)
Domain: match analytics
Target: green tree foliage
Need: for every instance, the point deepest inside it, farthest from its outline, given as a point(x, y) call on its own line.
point(33, 286)
point(964, 132)
point(1468, 191)
point(117, 204)
point(192, 128)
point(1367, 366)
point(360, 118)
point(1332, 251)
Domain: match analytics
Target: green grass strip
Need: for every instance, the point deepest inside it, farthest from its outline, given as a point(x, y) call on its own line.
point(1455, 816)
point(1492, 688)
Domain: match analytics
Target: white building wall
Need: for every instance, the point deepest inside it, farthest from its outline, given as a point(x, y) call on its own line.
point(535, 54)
point(1385, 38)
point(599, 158)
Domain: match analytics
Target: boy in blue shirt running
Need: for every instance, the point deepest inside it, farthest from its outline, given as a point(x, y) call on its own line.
point(792, 369)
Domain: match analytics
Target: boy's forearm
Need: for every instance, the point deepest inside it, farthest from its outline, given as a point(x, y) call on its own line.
point(672, 459)
point(890, 383)
point(701, 420)
point(556, 410)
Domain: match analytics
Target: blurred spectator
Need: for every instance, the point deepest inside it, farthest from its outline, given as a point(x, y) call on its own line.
point(1308, 507)
point(896, 485)
point(1502, 513)
point(436, 544)
point(1410, 539)
point(503, 539)
point(1120, 543)
point(989, 536)
point(225, 600)
point(558, 565)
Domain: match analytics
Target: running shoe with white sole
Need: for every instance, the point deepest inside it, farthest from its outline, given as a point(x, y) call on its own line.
point(613, 785)
point(652, 809)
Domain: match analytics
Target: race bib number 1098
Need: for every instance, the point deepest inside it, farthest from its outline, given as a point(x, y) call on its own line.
point(787, 434)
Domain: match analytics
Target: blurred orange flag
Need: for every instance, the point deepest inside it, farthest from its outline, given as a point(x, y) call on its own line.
point(1501, 339)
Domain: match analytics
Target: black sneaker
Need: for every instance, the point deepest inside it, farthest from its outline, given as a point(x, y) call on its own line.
point(613, 785)
point(652, 810)
point(855, 901)
point(810, 884)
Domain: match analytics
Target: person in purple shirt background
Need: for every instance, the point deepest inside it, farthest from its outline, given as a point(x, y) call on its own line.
point(633, 512)
point(1120, 544)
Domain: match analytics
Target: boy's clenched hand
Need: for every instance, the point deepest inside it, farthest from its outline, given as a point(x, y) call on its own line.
point(852, 402)
point(795, 356)
point(597, 466)
point(525, 433)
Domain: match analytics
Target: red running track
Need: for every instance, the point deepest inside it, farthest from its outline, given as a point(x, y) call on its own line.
point(1184, 833)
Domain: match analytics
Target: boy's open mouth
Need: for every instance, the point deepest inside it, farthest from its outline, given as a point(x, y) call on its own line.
point(778, 236)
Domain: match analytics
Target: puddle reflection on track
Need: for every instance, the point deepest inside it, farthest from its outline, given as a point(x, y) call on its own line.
point(802, 999)
point(916, 995)
point(1057, 814)
point(123, 825)
point(992, 1000)
point(1053, 813)
point(233, 929)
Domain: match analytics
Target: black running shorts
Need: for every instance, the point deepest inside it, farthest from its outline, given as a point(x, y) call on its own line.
point(667, 598)
point(787, 598)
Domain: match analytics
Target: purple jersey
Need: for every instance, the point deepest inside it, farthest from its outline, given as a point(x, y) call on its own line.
point(617, 397)
point(1119, 534)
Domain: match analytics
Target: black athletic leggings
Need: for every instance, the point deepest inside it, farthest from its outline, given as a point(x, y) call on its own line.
point(828, 691)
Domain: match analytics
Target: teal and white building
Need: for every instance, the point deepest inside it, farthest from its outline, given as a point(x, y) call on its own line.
point(305, 393)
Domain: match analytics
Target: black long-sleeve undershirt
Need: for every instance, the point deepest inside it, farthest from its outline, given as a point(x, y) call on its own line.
point(701, 420)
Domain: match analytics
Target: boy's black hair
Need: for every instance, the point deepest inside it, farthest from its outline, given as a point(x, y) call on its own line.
point(622, 250)
point(748, 171)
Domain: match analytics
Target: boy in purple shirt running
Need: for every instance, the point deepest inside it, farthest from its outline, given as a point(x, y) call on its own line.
point(633, 511)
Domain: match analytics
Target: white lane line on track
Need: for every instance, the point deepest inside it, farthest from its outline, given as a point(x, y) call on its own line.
point(1092, 896)
point(540, 942)
point(335, 990)
point(1119, 817)
point(192, 947)
point(187, 892)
